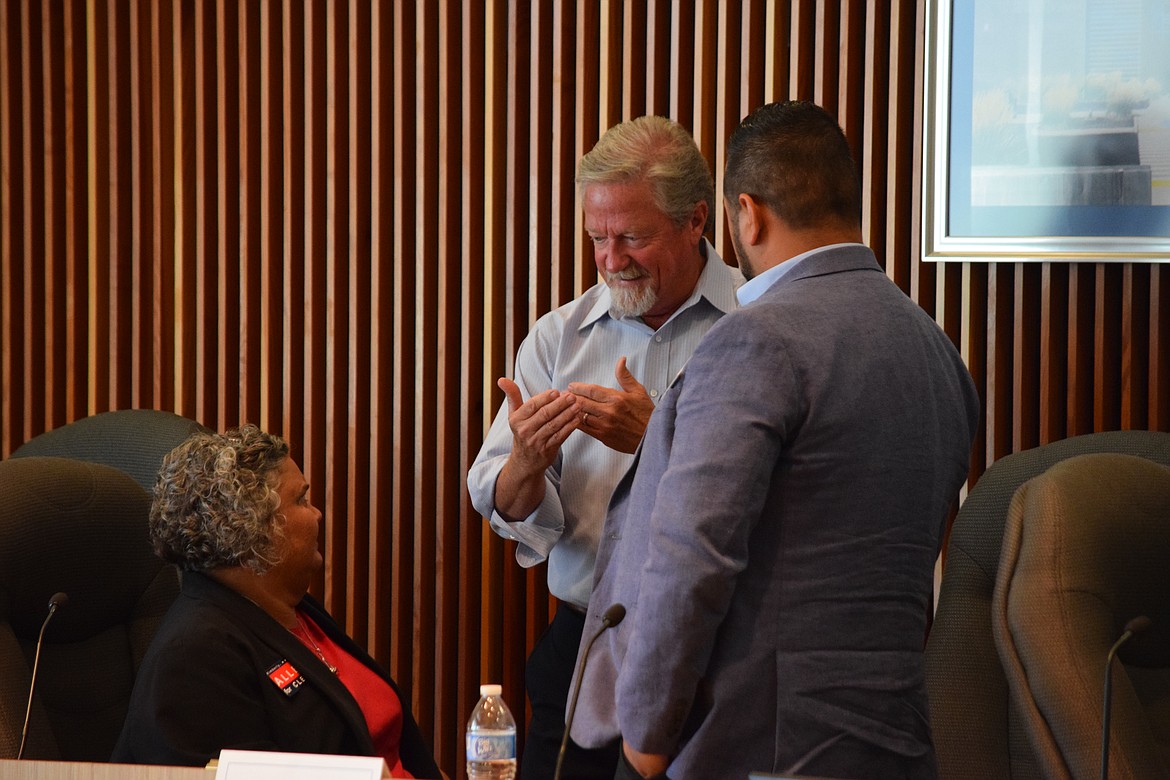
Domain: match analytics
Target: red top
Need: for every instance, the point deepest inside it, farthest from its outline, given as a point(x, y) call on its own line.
point(378, 701)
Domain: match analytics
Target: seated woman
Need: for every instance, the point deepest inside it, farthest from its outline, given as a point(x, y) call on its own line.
point(245, 659)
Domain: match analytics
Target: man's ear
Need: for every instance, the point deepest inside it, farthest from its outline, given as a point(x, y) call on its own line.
point(750, 218)
point(698, 220)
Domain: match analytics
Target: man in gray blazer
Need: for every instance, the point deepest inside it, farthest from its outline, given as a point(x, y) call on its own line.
point(775, 540)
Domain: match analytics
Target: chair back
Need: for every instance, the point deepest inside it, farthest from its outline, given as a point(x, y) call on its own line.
point(1087, 549)
point(977, 732)
point(80, 528)
point(133, 440)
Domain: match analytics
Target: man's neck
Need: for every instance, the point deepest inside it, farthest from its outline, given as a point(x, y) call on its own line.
point(788, 244)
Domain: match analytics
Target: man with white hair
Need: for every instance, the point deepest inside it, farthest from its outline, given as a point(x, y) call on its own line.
point(585, 383)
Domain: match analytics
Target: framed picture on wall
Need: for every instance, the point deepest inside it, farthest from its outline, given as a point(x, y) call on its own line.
point(1047, 130)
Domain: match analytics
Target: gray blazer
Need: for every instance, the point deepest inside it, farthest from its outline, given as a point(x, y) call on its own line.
point(774, 542)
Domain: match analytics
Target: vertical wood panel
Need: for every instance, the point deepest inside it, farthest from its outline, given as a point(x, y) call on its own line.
point(271, 215)
point(1053, 352)
point(1159, 391)
point(231, 183)
point(319, 282)
point(1081, 297)
point(802, 49)
point(100, 207)
point(339, 221)
point(142, 195)
point(999, 379)
point(1026, 332)
point(1107, 348)
point(658, 56)
point(977, 353)
point(12, 337)
point(425, 374)
point(358, 367)
point(704, 64)
point(453, 392)
point(251, 169)
point(185, 261)
point(894, 240)
point(682, 84)
point(162, 217)
point(292, 334)
point(489, 590)
point(852, 72)
point(874, 138)
point(476, 355)
point(826, 39)
point(33, 191)
point(1135, 340)
point(206, 327)
point(729, 53)
point(52, 172)
point(402, 377)
point(337, 351)
point(634, 71)
point(562, 165)
point(588, 111)
point(381, 423)
point(548, 267)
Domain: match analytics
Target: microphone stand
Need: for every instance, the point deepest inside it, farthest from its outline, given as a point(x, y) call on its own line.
point(1132, 628)
point(58, 599)
point(609, 619)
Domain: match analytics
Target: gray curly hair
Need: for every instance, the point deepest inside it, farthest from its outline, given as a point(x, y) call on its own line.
point(662, 152)
point(216, 501)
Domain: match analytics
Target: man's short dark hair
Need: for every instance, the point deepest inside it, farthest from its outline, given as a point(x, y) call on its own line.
point(794, 158)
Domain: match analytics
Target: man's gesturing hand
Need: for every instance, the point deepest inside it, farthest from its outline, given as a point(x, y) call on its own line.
point(539, 425)
point(616, 418)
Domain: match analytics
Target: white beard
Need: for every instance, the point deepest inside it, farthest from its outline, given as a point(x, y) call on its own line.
point(627, 301)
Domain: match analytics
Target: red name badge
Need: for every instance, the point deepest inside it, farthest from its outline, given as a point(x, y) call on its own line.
point(286, 678)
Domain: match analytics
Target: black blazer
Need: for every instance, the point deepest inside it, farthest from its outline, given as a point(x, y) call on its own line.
point(205, 685)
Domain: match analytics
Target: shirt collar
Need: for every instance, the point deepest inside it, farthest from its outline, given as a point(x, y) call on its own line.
point(711, 287)
point(757, 286)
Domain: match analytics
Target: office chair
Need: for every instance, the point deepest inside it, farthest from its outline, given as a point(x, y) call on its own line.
point(80, 528)
point(1086, 549)
point(978, 733)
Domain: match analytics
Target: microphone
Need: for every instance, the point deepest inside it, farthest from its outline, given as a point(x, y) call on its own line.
point(610, 618)
point(1132, 628)
point(56, 601)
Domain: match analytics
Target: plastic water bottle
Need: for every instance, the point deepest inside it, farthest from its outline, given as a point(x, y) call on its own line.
point(491, 738)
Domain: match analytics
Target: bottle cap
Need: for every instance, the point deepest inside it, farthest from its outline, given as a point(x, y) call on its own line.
point(490, 690)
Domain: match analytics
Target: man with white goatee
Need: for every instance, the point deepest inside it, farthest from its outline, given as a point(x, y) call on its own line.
point(586, 380)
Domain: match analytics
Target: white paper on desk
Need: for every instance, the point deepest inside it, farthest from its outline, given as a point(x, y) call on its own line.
point(265, 765)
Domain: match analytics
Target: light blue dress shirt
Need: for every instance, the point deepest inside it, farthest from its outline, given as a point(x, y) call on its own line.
point(581, 342)
point(758, 285)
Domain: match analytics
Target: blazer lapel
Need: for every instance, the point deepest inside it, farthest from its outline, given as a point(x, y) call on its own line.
point(284, 647)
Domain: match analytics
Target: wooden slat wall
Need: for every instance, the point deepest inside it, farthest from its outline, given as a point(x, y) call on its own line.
point(338, 220)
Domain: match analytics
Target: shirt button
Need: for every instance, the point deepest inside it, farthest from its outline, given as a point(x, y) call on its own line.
point(653, 393)
point(658, 339)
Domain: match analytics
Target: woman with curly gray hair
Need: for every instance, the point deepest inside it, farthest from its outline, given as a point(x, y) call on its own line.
point(245, 658)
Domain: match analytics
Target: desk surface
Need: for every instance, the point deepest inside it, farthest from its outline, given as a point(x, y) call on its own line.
point(79, 770)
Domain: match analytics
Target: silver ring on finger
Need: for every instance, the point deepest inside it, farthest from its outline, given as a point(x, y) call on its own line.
point(585, 418)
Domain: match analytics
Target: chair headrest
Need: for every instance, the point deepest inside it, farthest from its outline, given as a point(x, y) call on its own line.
point(1086, 549)
point(77, 527)
point(133, 440)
